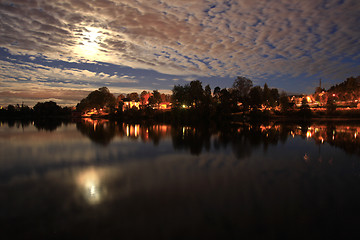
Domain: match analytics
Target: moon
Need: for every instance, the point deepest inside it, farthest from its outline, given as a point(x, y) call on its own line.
point(88, 46)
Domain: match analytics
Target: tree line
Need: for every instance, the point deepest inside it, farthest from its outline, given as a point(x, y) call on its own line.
point(241, 95)
point(193, 101)
point(189, 101)
point(192, 95)
point(41, 109)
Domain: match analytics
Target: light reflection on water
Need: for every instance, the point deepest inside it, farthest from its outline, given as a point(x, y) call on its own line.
point(117, 180)
point(89, 183)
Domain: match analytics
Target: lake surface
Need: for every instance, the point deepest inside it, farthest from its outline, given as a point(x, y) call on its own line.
point(96, 179)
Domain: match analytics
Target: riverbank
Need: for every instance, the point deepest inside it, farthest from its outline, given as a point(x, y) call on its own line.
point(202, 116)
point(302, 115)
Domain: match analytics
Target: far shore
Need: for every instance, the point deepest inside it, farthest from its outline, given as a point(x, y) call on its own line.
point(190, 116)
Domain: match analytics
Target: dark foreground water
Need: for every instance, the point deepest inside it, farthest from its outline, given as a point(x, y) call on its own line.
point(107, 180)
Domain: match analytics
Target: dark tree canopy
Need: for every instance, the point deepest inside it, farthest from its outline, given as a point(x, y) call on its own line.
point(181, 94)
point(49, 108)
point(97, 99)
point(155, 98)
point(190, 94)
point(217, 91)
point(207, 90)
point(266, 93)
point(270, 96)
point(241, 87)
point(284, 102)
point(196, 92)
point(134, 96)
point(274, 97)
point(255, 96)
point(11, 108)
point(347, 90)
point(225, 96)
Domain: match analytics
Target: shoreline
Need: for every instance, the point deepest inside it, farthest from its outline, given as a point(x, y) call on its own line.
point(192, 116)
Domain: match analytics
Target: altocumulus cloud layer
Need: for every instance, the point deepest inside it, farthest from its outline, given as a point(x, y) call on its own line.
point(64, 49)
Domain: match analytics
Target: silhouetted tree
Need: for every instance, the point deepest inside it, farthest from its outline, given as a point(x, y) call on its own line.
point(284, 102)
point(266, 95)
point(196, 92)
point(217, 92)
point(241, 88)
point(274, 97)
point(11, 108)
point(207, 90)
point(134, 96)
point(226, 103)
point(181, 95)
point(347, 90)
point(47, 109)
point(255, 97)
point(97, 99)
point(155, 99)
point(208, 100)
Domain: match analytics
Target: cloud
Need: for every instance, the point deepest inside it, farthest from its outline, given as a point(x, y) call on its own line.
point(161, 79)
point(257, 39)
point(189, 79)
point(45, 94)
point(26, 81)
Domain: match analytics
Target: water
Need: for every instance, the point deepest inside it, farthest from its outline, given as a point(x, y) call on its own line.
point(107, 180)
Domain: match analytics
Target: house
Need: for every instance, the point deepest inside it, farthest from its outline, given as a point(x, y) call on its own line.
point(130, 104)
point(163, 106)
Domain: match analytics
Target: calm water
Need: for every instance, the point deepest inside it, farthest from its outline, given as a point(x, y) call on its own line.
point(107, 180)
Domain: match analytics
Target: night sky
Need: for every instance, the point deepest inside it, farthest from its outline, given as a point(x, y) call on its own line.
point(62, 50)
